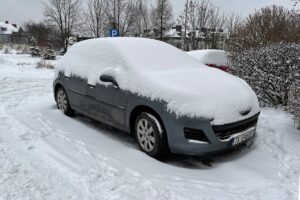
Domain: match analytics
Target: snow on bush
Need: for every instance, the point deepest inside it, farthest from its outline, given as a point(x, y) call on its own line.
point(294, 101)
point(7, 51)
point(14, 49)
point(44, 64)
point(159, 71)
point(273, 71)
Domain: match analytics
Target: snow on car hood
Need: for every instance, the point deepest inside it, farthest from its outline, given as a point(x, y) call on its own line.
point(204, 93)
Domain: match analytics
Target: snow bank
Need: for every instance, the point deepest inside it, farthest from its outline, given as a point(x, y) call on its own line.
point(2, 61)
point(160, 71)
point(211, 56)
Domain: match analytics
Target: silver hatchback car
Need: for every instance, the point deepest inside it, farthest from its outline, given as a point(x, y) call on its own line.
point(159, 93)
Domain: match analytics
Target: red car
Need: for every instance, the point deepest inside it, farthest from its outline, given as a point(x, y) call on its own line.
point(213, 58)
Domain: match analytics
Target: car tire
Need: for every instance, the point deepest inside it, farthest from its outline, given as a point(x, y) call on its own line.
point(62, 102)
point(151, 136)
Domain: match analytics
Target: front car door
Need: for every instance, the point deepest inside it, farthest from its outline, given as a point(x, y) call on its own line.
point(108, 104)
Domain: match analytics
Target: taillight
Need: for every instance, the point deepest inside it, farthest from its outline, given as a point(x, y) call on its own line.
point(224, 68)
point(212, 65)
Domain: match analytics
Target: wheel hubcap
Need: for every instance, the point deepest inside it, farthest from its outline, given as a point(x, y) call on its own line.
point(62, 100)
point(145, 135)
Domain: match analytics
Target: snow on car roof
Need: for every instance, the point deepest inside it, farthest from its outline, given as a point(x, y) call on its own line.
point(138, 53)
point(148, 54)
point(210, 56)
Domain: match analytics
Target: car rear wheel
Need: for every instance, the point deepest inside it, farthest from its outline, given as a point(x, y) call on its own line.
point(63, 103)
point(150, 135)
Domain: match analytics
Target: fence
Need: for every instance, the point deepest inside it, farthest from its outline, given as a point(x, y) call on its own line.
point(14, 39)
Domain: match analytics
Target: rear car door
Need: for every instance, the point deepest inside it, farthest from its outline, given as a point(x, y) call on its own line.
point(107, 103)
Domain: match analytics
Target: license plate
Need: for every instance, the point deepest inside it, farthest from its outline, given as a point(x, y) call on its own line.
point(243, 137)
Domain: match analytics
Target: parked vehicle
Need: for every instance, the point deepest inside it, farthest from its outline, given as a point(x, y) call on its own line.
point(212, 58)
point(157, 92)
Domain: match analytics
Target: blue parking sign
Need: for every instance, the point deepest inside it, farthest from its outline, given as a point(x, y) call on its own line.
point(114, 33)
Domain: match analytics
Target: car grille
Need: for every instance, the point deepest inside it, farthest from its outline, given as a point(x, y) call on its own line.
point(224, 132)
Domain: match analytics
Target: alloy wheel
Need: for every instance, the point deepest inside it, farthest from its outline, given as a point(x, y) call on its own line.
point(145, 134)
point(62, 101)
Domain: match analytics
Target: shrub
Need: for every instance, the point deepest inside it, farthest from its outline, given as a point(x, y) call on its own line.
point(273, 71)
point(25, 50)
point(44, 64)
point(6, 51)
point(294, 102)
point(270, 70)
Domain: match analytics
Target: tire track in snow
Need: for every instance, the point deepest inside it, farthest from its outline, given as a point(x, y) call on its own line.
point(17, 96)
point(276, 140)
point(165, 183)
point(22, 176)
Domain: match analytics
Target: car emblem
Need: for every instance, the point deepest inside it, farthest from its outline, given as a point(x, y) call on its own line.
point(245, 112)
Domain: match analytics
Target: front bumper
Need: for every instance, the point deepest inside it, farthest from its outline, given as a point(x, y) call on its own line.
point(219, 138)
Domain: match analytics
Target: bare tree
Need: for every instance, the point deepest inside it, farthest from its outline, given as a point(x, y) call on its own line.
point(141, 17)
point(162, 16)
point(233, 22)
point(185, 22)
point(96, 18)
point(204, 13)
point(65, 16)
point(272, 24)
point(120, 15)
point(188, 20)
point(216, 18)
point(40, 31)
point(216, 23)
point(196, 18)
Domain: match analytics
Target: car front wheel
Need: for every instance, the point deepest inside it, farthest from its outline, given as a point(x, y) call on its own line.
point(150, 135)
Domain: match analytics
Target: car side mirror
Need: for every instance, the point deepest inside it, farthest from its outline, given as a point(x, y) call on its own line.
point(109, 79)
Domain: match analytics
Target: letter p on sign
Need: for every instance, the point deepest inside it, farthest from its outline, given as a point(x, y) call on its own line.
point(114, 33)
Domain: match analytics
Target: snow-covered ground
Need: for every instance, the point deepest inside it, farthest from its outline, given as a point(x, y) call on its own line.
point(46, 155)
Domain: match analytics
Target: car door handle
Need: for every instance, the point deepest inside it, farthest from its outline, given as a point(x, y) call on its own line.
point(92, 86)
point(67, 78)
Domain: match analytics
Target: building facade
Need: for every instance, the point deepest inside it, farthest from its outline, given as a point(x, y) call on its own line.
point(10, 34)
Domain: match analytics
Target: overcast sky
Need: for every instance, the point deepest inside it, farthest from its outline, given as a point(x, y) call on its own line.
point(18, 11)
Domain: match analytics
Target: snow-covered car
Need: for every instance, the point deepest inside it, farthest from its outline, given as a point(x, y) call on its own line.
point(212, 58)
point(157, 92)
